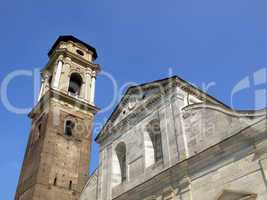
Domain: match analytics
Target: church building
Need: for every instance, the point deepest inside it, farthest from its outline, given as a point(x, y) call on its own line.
point(165, 140)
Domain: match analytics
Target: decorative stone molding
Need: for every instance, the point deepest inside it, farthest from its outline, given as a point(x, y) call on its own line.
point(232, 195)
point(261, 150)
point(152, 197)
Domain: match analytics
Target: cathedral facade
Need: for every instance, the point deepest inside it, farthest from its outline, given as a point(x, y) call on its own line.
point(165, 140)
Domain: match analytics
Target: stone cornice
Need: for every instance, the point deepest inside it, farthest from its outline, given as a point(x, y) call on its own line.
point(227, 111)
point(167, 84)
point(65, 53)
point(52, 93)
point(139, 113)
point(132, 118)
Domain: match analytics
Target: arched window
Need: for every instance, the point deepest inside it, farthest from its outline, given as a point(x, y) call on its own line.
point(69, 126)
point(75, 84)
point(121, 156)
point(154, 132)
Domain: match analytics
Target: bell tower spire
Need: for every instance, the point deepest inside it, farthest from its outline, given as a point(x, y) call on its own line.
point(57, 157)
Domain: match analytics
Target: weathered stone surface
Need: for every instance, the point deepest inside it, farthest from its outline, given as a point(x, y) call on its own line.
point(210, 152)
point(199, 148)
point(56, 163)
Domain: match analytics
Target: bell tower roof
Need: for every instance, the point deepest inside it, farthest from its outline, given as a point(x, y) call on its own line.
point(66, 38)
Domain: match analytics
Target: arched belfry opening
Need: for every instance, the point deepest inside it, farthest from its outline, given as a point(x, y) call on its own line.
point(75, 84)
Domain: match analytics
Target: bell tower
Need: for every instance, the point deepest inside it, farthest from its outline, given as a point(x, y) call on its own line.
point(57, 157)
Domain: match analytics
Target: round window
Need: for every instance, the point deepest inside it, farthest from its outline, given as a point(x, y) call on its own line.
point(80, 52)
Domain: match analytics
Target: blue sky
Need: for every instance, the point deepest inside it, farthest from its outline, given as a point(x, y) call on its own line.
point(207, 41)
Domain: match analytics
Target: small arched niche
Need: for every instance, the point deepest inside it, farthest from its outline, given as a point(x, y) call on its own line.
point(119, 166)
point(75, 84)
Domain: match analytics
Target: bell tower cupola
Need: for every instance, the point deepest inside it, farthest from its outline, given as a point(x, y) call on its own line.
point(71, 69)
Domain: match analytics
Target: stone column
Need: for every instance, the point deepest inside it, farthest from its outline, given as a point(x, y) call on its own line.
point(109, 172)
point(177, 104)
point(92, 96)
point(87, 85)
point(163, 116)
point(58, 73)
point(41, 90)
point(171, 132)
point(45, 84)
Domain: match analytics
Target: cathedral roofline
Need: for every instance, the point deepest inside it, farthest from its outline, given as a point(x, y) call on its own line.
point(177, 81)
point(173, 81)
point(66, 38)
point(228, 111)
point(193, 89)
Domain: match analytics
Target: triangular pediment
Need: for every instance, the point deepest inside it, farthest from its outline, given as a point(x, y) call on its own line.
point(134, 98)
point(138, 95)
